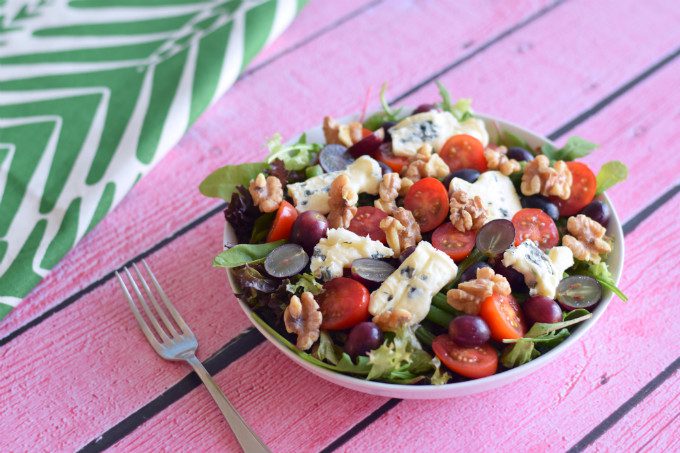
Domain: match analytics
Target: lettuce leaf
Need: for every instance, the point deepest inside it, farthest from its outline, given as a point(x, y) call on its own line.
point(326, 349)
point(297, 156)
point(611, 173)
point(304, 282)
point(261, 227)
point(242, 254)
point(462, 109)
point(543, 335)
point(575, 148)
point(242, 213)
point(601, 273)
point(399, 358)
point(223, 182)
point(376, 120)
point(439, 377)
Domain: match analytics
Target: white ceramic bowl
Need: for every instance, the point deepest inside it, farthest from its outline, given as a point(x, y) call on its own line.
point(468, 387)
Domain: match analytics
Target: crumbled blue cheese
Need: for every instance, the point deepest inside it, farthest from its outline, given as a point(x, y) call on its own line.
point(496, 191)
point(364, 174)
point(340, 248)
point(435, 128)
point(542, 272)
point(413, 284)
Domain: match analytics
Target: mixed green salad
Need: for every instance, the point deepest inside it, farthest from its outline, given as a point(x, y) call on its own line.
point(423, 246)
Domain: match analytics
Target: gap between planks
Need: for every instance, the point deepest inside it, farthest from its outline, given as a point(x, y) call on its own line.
point(183, 230)
point(96, 284)
point(128, 424)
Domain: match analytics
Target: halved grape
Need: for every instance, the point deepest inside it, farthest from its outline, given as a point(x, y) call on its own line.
point(334, 158)
point(286, 260)
point(370, 272)
point(495, 237)
point(406, 253)
point(579, 291)
point(368, 145)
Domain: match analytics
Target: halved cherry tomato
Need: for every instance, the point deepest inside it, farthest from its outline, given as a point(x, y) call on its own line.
point(385, 155)
point(428, 200)
point(463, 151)
point(366, 132)
point(536, 225)
point(343, 303)
point(367, 222)
point(473, 363)
point(503, 316)
point(283, 222)
point(452, 242)
point(583, 187)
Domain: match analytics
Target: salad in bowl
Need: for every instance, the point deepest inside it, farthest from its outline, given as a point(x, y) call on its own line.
point(432, 247)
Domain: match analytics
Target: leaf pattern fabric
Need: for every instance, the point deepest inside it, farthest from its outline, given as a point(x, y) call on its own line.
point(93, 93)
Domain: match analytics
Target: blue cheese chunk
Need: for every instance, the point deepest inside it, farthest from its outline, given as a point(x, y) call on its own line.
point(340, 248)
point(413, 284)
point(435, 128)
point(312, 195)
point(542, 272)
point(496, 191)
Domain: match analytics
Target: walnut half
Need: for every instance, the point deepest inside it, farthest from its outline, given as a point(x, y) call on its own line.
point(426, 164)
point(467, 213)
point(540, 177)
point(342, 199)
point(401, 229)
point(496, 159)
point(469, 295)
point(342, 134)
point(302, 317)
point(391, 321)
point(587, 239)
point(388, 191)
point(267, 192)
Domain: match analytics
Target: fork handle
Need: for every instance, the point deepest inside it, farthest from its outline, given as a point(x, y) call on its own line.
point(244, 435)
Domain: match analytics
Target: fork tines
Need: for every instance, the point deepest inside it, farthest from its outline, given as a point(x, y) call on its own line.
point(171, 331)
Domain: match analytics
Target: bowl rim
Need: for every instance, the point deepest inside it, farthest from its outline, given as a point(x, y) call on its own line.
point(470, 386)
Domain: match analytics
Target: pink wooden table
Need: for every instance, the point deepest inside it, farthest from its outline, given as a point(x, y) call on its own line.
point(78, 374)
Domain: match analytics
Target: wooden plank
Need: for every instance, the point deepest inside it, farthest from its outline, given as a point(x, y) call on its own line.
point(571, 395)
point(283, 97)
point(601, 128)
point(297, 404)
point(252, 388)
point(79, 329)
point(67, 380)
point(103, 301)
point(653, 425)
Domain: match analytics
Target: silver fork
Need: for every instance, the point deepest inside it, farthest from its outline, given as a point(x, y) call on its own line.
point(172, 344)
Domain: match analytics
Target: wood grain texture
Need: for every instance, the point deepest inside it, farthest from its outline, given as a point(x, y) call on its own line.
point(612, 124)
point(552, 409)
point(275, 414)
point(86, 263)
point(67, 381)
point(653, 425)
point(86, 390)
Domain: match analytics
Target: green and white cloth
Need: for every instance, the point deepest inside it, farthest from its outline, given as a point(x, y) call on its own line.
point(92, 94)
